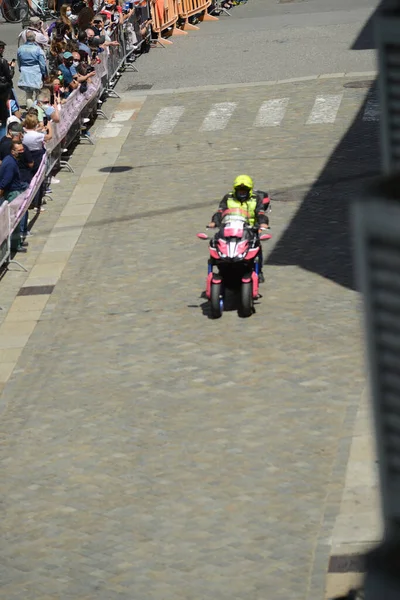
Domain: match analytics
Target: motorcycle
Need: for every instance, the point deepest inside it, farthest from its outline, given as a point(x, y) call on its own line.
point(234, 263)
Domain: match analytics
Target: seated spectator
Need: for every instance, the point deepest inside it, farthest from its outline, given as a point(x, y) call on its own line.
point(40, 34)
point(15, 133)
point(11, 185)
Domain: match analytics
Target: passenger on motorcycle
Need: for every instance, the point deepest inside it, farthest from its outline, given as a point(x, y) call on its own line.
point(254, 204)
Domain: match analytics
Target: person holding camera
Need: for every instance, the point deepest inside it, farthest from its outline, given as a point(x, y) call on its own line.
point(36, 27)
point(35, 138)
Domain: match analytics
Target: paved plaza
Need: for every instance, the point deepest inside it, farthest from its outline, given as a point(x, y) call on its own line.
point(147, 451)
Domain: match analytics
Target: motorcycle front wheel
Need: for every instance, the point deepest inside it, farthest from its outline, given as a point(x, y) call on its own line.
point(216, 300)
point(246, 300)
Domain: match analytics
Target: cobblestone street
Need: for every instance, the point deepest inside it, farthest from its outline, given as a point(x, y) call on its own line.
point(149, 452)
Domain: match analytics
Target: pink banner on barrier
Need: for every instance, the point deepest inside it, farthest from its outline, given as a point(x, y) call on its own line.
point(4, 222)
point(75, 104)
point(69, 112)
point(20, 204)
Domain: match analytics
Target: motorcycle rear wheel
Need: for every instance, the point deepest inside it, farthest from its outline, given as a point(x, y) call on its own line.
point(246, 300)
point(216, 300)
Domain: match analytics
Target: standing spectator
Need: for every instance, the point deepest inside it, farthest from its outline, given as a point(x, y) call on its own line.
point(58, 46)
point(82, 43)
point(32, 64)
point(11, 185)
point(5, 89)
point(85, 17)
point(65, 16)
point(36, 27)
point(67, 68)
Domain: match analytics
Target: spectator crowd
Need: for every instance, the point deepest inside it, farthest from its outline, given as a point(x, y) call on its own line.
point(53, 61)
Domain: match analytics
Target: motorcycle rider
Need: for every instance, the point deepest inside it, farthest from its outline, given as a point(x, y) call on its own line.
point(255, 204)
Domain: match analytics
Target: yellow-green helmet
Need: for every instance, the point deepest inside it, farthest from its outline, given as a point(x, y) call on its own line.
point(242, 187)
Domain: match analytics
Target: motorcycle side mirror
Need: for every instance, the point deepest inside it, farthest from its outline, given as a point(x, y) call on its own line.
point(202, 236)
point(265, 236)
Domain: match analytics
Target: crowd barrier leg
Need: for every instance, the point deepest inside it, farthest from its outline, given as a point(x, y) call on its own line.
point(189, 8)
point(208, 17)
point(164, 17)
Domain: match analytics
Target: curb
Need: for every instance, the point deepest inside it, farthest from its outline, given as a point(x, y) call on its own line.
point(358, 524)
point(227, 86)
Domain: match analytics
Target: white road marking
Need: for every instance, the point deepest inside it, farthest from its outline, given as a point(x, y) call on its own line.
point(325, 109)
point(165, 120)
point(372, 109)
point(219, 116)
point(271, 113)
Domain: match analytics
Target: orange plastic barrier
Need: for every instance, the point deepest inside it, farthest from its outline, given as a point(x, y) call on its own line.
point(165, 14)
point(188, 8)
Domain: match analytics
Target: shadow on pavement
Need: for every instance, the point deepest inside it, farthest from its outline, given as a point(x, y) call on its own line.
point(365, 39)
point(318, 238)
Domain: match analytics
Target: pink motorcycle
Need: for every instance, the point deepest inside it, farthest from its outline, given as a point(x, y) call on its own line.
point(234, 263)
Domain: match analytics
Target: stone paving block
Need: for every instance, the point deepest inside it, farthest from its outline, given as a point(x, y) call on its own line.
point(25, 303)
point(29, 315)
point(8, 328)
point(56, 256)
point(6, 368)
point(13, 341)
point(47, 270)
point(78, 210)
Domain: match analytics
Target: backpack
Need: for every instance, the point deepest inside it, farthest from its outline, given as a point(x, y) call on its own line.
point(5, 84)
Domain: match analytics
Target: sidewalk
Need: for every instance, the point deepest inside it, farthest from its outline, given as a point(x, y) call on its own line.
point(358, 526)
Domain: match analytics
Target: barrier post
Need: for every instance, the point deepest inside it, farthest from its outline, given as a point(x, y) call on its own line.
point(189, 8)
point(5, 248)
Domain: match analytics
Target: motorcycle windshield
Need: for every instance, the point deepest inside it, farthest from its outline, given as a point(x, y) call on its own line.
point(235, 214)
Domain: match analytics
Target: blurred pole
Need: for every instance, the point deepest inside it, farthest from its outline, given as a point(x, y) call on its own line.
point(377, 258)
point(387, 37)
